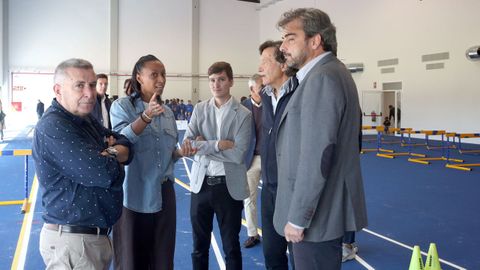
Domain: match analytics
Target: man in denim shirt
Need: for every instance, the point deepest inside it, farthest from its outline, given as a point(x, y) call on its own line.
point(78, 163)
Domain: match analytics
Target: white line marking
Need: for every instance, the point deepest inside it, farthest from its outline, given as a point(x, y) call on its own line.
point(218, 254)
point(411, 248)
point(364, 263)
point(216, 249)
point(359, 259)
point(28, 228)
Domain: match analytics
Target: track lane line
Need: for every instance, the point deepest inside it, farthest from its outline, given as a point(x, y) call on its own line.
point(24, 236)
point(411, 248)
point(216, 249)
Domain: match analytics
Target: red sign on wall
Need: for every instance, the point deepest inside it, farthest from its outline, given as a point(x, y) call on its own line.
point(17, 106)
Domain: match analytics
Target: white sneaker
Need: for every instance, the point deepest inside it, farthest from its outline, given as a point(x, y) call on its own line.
point(349, 251)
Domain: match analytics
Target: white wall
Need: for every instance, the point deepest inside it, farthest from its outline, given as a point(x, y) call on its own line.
point(2, 86)
point(161, 28)
point(228, 32)
point(43, 33)
point(368, 31)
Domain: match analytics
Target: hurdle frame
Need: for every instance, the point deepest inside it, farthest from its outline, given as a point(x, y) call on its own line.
point(464, 166)
point(427, 160)
point(26, 153)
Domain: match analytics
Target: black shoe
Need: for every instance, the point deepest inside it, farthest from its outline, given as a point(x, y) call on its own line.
point(251, 241)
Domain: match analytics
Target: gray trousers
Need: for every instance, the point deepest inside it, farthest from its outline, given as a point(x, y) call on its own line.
point(62, 250)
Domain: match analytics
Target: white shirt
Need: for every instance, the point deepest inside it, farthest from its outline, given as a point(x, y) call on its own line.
point(216, 168)
point(104, 112)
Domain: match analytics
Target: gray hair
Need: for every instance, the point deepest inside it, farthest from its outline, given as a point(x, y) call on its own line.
point(314, 22)
point(70, 63)
point(253, 80)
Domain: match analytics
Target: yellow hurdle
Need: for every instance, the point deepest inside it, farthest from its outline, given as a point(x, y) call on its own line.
point(25, 153)
point(11, 202)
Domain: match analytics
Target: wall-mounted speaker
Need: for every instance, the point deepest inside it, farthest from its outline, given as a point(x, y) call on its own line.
point(355, 67)
point(473, 53)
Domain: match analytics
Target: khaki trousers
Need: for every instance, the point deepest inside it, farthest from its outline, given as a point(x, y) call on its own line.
point(62, 250)
point(250, 203)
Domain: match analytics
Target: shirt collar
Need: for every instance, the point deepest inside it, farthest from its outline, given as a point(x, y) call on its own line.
point(269, 90)
point(76, 119)
point(226, 105)
point(307, 67)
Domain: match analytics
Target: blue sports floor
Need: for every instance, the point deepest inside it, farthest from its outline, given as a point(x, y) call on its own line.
point(408, 204)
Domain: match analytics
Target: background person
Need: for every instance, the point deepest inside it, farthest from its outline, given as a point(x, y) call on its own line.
point(253, 160)
point(102, 108)
point(2, 121)
point(40, 109)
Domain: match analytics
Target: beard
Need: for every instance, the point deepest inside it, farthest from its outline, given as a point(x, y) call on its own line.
point(296, 61)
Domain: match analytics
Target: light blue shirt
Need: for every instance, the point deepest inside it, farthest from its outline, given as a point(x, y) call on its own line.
point(269, 91)
point(307, 67)
point(153, 161)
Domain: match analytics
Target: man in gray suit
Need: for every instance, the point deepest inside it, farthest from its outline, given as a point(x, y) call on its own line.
point(219, 131)
point(320, 190)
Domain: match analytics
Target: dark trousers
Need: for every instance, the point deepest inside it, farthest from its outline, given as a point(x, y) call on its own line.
point(318, 255)
point(274, 245)
point(209, 201)
point(349, 237)
point(147, 241)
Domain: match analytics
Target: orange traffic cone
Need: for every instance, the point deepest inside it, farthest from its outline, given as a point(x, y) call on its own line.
point(416, 262)
point(432, 262)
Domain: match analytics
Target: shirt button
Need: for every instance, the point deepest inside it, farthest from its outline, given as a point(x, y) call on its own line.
point(159, 165)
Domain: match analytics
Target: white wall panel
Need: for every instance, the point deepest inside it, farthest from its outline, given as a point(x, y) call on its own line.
point(373, 30)
point(44, 33)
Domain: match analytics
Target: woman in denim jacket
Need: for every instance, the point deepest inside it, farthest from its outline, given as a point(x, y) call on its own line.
point(144, 237)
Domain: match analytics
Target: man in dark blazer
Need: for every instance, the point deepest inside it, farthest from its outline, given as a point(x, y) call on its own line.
point(101, 111)
point(253, 160)
point(220, 128)
point(277, 79)
point(320, 188)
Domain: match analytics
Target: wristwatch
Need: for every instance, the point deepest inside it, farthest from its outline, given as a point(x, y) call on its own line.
point(112, 151)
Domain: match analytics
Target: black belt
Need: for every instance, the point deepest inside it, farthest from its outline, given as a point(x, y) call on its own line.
point(78, 229)
point(215, 180)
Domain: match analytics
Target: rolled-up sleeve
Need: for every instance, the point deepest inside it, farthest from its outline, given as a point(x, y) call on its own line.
point(120, 117)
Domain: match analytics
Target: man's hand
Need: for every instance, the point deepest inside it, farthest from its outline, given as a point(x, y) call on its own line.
point(110, 140)
point(122, 153)
point(293, 234)
point(225, 145)
point(188, 148)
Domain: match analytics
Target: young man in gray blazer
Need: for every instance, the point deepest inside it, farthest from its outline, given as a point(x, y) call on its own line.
point(219, 132)
point(320, 190)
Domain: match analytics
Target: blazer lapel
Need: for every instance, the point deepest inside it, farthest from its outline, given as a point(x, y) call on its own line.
point(327, 58)
point(211, 121)
point(228, 119)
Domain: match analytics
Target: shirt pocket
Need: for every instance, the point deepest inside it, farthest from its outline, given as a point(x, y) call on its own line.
point(170, 138)
point(145, 141)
